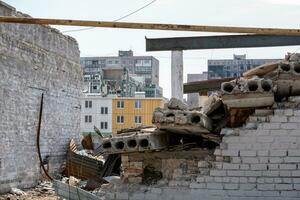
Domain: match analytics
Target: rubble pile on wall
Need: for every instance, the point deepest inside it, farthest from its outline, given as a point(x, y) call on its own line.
point(254, 128)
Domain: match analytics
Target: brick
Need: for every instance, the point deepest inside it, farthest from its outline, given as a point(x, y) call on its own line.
point(287, 166)
point(217, 186)
point(265, 186)
point(258, 166)
point(283, 186)
point(247, 186)
point(122, 195)
point(270, 126)
point(278, 119)
point(296, 173)
point(262, 153)
point(288, 112)
point(235, 173)
point(230, 152)
point(285, 173)
point(273, 166)
point(200, 179)
point(289, 125)
point(217, 172)
point(294, 119)
point(250, 160)
point(244, 166)
point(265, 139)
point(289, 194)
point(156, 190)
point(230, 166)
point(279, 112)
point(253, 173)
point(278, 153)
point(243, 180)
point(230, 186)
point(236, 160)
point(287, 180)
point(203, 164)
point(296, 186)
point(197, 185)
point(292, 159)
point(270, 173)
point(294, 153)
point(297, 112)
point(296, 180)
point(276, 160)
point(247, 153)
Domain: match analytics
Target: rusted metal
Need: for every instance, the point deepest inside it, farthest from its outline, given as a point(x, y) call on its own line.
point(151, 26)
point(38, 138)
point(81, 166)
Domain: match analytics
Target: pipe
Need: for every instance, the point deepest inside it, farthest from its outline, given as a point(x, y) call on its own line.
point(38, 138)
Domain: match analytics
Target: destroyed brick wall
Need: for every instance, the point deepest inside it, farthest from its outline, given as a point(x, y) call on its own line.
point(260, 160)
point(35, 59)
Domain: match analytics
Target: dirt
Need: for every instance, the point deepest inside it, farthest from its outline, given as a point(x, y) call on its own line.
point(43, 191)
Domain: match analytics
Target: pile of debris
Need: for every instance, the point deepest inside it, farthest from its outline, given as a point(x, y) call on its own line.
point(179, 127)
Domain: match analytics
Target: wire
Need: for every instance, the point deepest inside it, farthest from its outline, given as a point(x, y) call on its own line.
point(116, 20)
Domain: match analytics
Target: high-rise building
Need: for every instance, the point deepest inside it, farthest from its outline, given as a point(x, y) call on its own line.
point(235, 67)
point(122, 74)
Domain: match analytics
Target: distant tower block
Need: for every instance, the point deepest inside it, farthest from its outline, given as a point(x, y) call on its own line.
point(177, 74)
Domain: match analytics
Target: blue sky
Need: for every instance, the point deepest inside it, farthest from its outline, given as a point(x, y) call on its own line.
point(107, 42)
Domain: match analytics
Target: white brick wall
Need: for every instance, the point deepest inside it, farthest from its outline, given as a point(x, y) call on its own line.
point(262, 163)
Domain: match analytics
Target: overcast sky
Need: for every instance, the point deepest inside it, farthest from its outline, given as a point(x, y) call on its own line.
point(107, 42)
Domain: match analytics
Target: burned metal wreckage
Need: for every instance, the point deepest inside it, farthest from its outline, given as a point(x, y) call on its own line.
point(198, 131)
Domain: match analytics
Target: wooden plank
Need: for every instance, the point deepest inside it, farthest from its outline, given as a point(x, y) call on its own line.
point(261, 70)
point(151, 26)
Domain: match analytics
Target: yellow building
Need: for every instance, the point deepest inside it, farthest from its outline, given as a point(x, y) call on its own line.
point(133, 112)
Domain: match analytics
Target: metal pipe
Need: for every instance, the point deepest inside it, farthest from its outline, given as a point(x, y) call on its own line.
point(170, 27)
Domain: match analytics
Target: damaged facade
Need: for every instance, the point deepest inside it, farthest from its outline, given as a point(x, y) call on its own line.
point(36, 59)
point(244, 143)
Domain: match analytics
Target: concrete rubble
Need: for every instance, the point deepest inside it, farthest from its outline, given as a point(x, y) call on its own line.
point(183, 148)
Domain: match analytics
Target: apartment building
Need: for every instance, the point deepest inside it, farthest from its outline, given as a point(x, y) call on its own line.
point(224, 68)
point(110, 114)
point(134, 70)
point(133, 112)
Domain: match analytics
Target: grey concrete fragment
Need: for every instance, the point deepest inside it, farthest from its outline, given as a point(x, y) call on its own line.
point(176, 104)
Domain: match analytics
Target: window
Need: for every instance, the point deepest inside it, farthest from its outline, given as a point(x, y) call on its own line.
point(120, 104)
point(120, 119)
point(88, 118)
point(138, 119)
point(104, 110)
point(104, 125)
point(88, 104)
point(138, 104)
point(95, 62)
